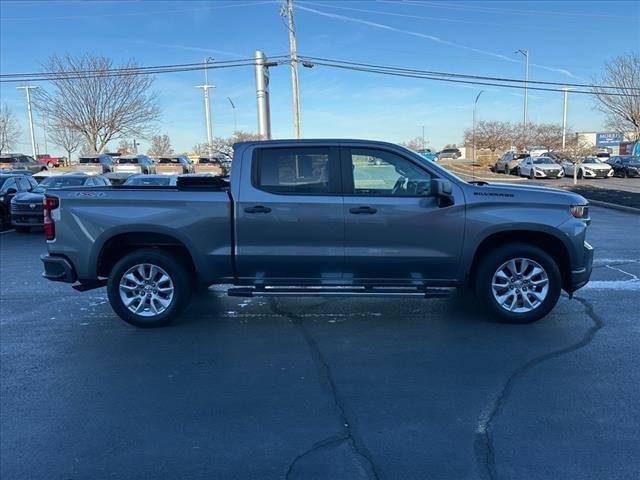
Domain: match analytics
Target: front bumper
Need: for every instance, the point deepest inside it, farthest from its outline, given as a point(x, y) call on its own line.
point(597, 173)
point(633, 172)
point(548, 173)
point(58, 269)
point(20, 218)
point(580, 277)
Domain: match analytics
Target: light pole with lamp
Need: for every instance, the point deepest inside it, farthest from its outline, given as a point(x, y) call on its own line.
point(475, 104)
point(235, 122)
point(525, 53)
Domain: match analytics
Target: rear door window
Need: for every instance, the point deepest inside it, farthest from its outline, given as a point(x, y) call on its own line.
point(306, 170)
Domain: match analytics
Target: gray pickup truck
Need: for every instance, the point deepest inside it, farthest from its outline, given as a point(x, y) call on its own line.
point(320, 217)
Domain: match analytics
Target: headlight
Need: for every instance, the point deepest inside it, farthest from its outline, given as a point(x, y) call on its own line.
point(580, 211)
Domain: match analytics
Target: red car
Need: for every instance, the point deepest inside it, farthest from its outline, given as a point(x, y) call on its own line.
point(48, 160)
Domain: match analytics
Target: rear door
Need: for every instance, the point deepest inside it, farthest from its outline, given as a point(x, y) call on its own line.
point(395, 230)
point(289, 219)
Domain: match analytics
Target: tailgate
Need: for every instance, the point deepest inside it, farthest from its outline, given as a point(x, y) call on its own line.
point(169, 169)
point(127, 168)
point(208, 168)
point(90, 168)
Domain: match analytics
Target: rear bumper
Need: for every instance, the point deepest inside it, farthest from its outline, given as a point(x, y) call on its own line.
point(580, 277)
point(58, 269)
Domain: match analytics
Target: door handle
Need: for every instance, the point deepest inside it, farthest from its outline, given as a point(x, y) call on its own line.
point(257, 209)
point(363, 210)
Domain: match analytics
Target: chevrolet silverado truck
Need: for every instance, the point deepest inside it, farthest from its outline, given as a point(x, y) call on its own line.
point(320, 217)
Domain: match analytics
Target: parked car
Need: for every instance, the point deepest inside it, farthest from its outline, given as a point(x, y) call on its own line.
point(10, 185)
point(449, 153)
point(590, 167)
point(153, 180)
point(537, 151)
point(97, 164)
point(539, 167)
point(27, 206)
point(296, 218)
point(48, 160)
point(18, 161)
point(134, 164)
point(558, 157)
point(428, 154)
point(174, 165)
point(213, 165)
point(508, 162)
point(625, 166)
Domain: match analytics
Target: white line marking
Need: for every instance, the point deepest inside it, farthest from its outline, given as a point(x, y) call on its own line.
point(612, 285)
point(604, 261)
point(7, 231)
point(635, 277)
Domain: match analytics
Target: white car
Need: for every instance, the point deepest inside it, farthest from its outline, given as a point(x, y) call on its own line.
point(590, 167)
point(540, 167)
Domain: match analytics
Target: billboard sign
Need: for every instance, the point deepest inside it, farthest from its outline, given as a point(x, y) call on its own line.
point(608, 139)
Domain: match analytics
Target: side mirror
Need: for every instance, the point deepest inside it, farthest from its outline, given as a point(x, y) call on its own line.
point(442, 191)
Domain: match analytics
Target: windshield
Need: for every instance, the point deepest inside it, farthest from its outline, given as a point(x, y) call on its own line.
point(592, 160)
point(123, 161)
point(169, 160)
point(630, 159)
point(145, 180)
point(59, 182)
point(543, 161)
point(89, 159)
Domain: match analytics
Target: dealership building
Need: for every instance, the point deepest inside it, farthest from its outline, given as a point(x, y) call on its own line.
point(605, 140)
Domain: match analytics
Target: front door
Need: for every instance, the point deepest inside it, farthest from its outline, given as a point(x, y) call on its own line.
point(290, 226)
point(395, 230)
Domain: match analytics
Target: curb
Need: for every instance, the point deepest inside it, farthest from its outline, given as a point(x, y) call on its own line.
point(614, 206)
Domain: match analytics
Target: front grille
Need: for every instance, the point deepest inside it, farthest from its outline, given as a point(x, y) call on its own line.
point(25, 207)
point(552, 172)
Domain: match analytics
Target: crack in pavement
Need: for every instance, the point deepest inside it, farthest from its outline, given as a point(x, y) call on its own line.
point(483, 445)
point(325, 376)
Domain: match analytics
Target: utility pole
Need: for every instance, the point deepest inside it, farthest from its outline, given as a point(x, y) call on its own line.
point(525, 53)
point(235, 120)
point(293, 51)
point(475, 104)
point(207, 107)
point(262, 94)
point(564, 117)
point(44, 128)
point(27, 89)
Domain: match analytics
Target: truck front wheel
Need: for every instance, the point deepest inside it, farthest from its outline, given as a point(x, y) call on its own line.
point(149, 288)
point(518, 283)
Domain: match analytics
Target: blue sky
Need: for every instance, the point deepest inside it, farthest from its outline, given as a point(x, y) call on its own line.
point(567, 41)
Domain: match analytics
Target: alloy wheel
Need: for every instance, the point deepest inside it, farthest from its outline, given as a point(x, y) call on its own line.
point(520, 285)
point(146, 290)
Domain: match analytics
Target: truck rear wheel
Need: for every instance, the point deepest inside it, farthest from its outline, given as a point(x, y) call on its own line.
point(149, 288)
point(518, 283)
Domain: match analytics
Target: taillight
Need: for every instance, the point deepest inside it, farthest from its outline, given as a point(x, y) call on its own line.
point(50, 203)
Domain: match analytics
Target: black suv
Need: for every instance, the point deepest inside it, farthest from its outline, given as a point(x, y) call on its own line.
point(18, 161)
point(10, 185)
point(450, 153)
point(27, 208)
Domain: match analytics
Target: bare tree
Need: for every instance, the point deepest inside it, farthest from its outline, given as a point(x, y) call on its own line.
point(224, 146)
point(547, 135)
point(125, 147)
point(416, 143)
point(491, 136)
point(66, 138)
point(160, 146)
point(10, 131)
point(95, 102)
point(622, 110)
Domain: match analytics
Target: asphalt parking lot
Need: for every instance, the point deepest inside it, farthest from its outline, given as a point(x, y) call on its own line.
point(321, 389)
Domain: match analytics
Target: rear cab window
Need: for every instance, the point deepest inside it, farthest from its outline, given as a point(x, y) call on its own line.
point(296, 170)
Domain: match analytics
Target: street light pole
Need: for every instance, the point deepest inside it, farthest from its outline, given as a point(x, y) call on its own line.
point(525, 53)
point(27, 89)
point(564, 117)
point(207, 107)
point(235, 122)
point(475, 104)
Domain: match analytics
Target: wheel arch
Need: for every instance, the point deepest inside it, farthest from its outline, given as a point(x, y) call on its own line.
point(546, 241)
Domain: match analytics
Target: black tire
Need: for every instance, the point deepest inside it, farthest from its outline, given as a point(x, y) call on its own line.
point(5, 221)
point(49, 164)
point(580, 173)
point(625, 174)
point(173, 267)
point(21, 229)
point(491, 262)
point(532, 175)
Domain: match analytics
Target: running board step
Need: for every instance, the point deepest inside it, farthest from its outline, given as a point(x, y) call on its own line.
point(444, 292)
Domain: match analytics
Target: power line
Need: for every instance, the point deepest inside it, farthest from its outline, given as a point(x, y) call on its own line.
point(386, 71)
point(464, 76)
